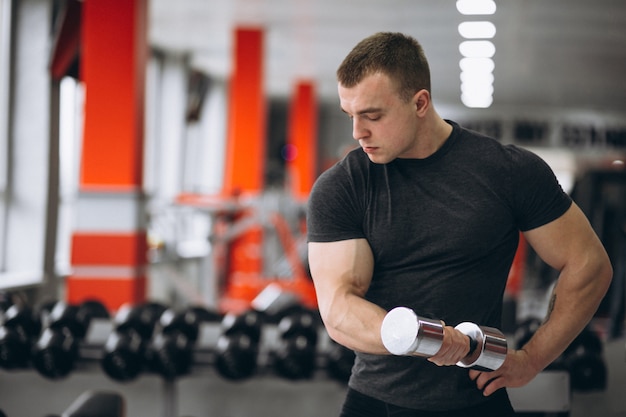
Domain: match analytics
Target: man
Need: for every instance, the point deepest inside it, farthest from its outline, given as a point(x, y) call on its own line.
point(427, 215)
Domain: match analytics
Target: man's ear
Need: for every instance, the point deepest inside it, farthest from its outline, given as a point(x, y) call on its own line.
point(421, 101)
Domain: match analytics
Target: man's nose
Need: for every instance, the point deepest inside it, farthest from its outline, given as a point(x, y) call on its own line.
point(358, 130)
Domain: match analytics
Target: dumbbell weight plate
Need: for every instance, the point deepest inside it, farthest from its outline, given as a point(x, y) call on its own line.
point(23, 317)
point(123, 358)
point(491, 349)
point(170, 355)
point(14, 348)
point(295, 357)
point(403, 332)
point(588, 372)
point(339, 362)
point(55, 353)
point(236, 356)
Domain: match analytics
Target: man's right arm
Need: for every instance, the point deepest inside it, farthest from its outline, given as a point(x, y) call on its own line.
point(342, 272)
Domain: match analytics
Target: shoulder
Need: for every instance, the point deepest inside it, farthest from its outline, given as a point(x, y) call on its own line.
point(352, 167)
point(491, 150)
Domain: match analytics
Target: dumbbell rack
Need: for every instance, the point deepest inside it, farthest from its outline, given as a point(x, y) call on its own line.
point(91, 352)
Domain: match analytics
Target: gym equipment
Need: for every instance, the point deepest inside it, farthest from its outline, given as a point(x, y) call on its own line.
point(339, 361)
point(237, 348)
point(170, 353)
point(405, 333)
point(295, 355)
point(525, 331)
point(546, 395)
point(19, 328)
point(585, 363)
point(97, 404)
point(124, 350)
point(56, 351)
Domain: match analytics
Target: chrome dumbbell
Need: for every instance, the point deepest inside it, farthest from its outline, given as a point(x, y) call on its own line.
point(405, 333)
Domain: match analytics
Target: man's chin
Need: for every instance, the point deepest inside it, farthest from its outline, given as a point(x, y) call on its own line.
point(377, 159)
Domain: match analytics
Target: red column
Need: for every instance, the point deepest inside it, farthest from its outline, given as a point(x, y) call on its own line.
point(245, 153)
point(302, 141)
point(109, 244)
point(245, 163)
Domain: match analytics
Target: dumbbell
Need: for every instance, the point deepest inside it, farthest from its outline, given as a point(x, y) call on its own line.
point(339, 362)
point(295, 355)
point(584, 360)
point(55, 353)
point(170, 352)
point(237, 347)
point(125, 348)
point(19, 328)
point(405, 333)
point(525, 331)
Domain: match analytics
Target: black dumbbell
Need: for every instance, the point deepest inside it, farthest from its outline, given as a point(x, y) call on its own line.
point(20, 327)
point(5, 301)
point(170, 352)
point(525, 331)
point(405, 333)
point(339, 361)
point(585, 363)
point(55, 353)
point(125, 349)
point(295, 355)
point(238, 346)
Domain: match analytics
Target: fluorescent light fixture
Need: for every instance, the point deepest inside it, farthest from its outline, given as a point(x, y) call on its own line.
point(470, 65)
point(477, 30)
point(477, 89)
point(473, 101)
point(474, 7)
point(477, 49)
point(482, 77)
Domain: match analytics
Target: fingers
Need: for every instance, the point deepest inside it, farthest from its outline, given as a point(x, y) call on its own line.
point(454, 347)
point(488, 382)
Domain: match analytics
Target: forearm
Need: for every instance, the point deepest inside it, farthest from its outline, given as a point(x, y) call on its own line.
point(573, 303)
point(355, 323)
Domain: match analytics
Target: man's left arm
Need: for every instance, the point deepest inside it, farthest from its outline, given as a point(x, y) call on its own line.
point(570, 245)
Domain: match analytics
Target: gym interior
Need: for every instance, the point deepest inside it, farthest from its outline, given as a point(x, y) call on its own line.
point(155, 163)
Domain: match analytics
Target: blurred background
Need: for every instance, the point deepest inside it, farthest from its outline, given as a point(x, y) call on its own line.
point(155, 162)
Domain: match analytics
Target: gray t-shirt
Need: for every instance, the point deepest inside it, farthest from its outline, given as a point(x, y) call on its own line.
point(443, 231)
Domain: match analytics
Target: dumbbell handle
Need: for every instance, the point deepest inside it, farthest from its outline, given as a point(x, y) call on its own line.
point(405, 333)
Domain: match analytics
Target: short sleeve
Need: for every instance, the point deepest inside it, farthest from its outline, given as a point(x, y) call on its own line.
point(332, 208)
point(538, 196)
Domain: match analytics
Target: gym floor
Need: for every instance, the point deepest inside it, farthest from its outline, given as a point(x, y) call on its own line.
point(205, 394)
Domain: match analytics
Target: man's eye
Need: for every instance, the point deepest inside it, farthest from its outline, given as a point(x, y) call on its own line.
point(372, 117)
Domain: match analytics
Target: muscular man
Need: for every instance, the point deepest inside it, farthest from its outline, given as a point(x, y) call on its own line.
point(426, 214)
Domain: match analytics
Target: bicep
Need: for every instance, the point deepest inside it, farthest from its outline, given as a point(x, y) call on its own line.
point(567, 242)
point(340, 268)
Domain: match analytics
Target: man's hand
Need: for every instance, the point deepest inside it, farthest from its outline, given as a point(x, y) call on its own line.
point(454, 347)
point(516, 371)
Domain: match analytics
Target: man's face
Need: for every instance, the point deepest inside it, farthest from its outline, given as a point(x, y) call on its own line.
point(385, 126)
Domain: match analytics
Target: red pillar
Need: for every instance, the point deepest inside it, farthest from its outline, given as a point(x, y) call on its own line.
point(109, 244)
point(245, 164)
point(245, 153)
point(302, 141)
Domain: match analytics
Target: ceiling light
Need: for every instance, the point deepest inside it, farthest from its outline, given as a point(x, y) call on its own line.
point(483, 77)
point(477, 65)
point(477, 49)
point(474, 101)
point(473, 7)
point(477, 30)
point(477, 89)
